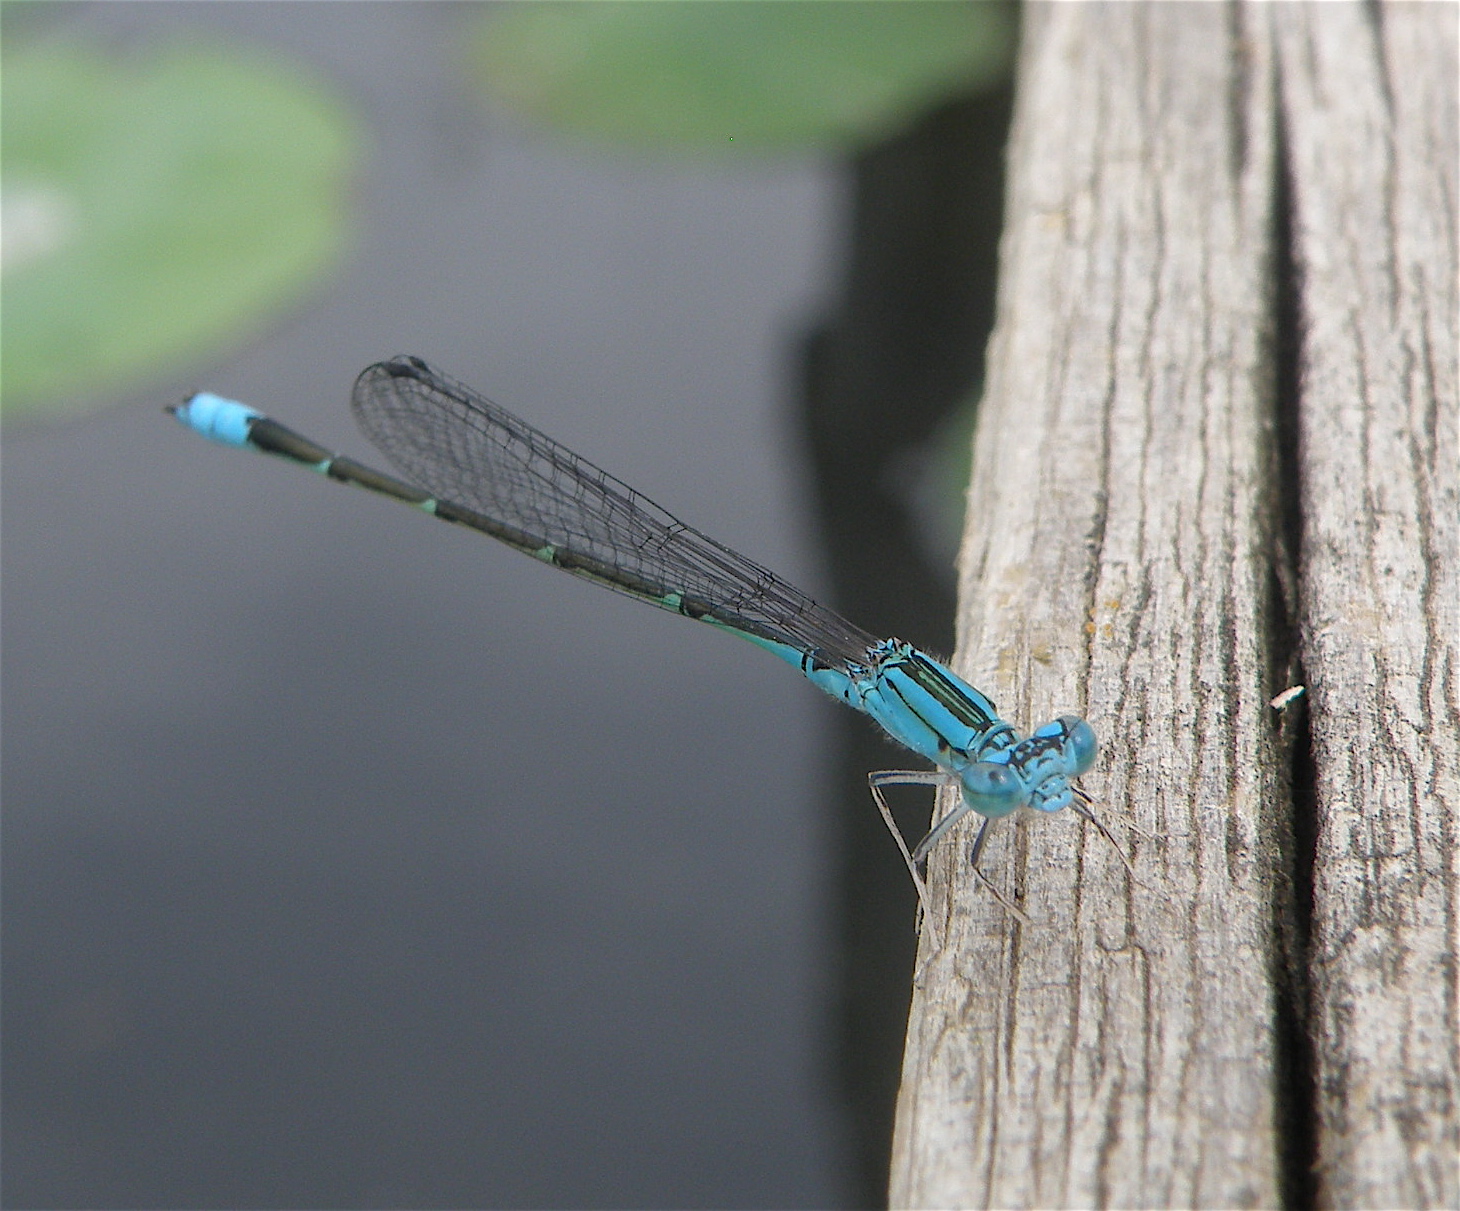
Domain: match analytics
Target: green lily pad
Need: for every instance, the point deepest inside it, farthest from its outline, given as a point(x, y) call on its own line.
point(731, 75)
point(158, 210)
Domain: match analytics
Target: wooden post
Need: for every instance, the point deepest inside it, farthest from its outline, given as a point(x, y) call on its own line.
point(1369, 102)
point(1216, 455)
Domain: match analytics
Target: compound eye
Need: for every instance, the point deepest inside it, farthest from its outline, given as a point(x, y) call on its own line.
point(1080, 744)
point(991, 788)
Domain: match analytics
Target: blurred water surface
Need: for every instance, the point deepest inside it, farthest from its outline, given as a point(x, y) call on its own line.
point(350, 860)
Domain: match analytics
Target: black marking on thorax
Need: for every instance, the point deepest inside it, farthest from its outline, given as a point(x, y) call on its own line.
point(927, 676)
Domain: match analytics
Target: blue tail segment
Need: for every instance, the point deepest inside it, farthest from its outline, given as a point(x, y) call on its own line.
point(216, 418)
point(468, 461)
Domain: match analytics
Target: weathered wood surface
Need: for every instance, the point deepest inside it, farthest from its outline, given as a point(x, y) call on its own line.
point(1226, 354)
point(1370, 104)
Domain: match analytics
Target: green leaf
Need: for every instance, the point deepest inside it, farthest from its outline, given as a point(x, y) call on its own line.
point(731, 75)
point(157, 210)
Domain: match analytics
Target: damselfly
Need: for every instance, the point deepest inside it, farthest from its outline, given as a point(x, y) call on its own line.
point(468, 461)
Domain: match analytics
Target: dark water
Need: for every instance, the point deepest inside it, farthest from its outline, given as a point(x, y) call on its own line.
point(350, 860)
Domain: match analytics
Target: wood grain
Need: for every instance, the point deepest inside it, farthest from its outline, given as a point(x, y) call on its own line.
point(1370, 102)
point(1202, 376)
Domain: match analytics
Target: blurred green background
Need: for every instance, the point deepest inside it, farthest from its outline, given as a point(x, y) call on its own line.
point(162, 202)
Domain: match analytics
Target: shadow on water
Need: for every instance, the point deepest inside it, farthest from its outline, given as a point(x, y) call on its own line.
point(881, 376)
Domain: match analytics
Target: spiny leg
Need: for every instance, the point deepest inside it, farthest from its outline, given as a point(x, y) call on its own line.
point(1110, 810)
point(877, 779)
point(1081, 810)
point(973, 857)
point(939, 831)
